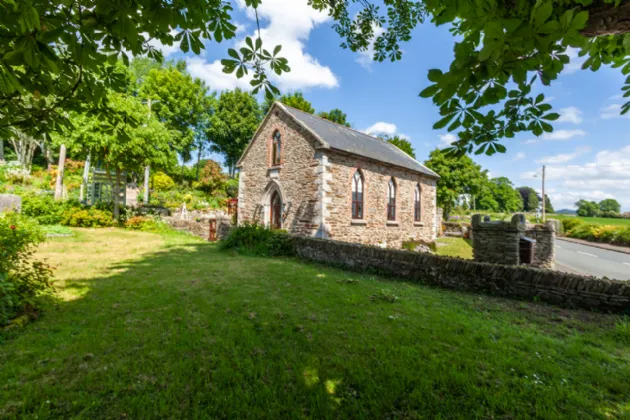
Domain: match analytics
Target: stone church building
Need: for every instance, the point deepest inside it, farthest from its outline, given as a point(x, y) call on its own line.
point(310, 176)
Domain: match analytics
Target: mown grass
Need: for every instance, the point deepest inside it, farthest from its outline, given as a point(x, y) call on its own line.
point(150, 326)
point(454, 247)
point(593, 220)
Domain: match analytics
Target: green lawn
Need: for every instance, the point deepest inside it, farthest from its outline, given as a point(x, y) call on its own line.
point(593, 220)
point(169, 327)
point(454, 247)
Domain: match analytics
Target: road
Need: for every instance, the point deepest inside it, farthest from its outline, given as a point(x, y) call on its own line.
point(583, 259)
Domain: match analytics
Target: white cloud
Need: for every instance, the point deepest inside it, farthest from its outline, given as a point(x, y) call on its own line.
point(612, 111)
point(530, 141)
point(570, 115)
point(562, 135)
point(576, 61)
point(448, 139)
point(385, 128)
point(605, 177)
point(213, 74)
point(283, 23)
point(564, 157)
point(520, 156)
point(366, 58)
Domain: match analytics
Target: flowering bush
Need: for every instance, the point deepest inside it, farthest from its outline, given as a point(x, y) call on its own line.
point(15, 173)
point(22, 279)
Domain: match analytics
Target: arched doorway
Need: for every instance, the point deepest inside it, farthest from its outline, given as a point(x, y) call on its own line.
point(275, 219)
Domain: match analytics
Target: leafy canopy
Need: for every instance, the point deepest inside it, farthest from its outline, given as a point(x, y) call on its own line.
point(335, 115)
point(233, 125)
point(402, 144)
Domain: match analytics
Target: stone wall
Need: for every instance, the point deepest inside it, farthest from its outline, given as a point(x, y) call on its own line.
point(545, 236)
point(374, 228)
point(521, 282)
point(201, 227)
point(297, 178)
point(10, 202)
point(498, 241)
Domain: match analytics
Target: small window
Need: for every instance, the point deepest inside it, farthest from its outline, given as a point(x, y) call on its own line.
point(276, 149)
point(391, 200)
point(357, 195)
point(417, 210)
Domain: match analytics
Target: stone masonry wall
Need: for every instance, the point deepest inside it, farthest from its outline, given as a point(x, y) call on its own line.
point(375, 229)
point(498, 241)
point(201, 227)
point(522, 282)
point(297, 178)
point(545, 250)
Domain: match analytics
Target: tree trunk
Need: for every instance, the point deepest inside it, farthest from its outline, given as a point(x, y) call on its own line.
point(84, 183)
point(59, 183)
point(1, 149)
point(606, 19)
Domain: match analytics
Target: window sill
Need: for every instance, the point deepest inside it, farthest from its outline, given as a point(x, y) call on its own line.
point(271, 168)
point(392, 223)
point(420, 224)
point(358, 222)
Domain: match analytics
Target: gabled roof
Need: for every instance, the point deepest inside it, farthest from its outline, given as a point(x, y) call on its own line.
point(338, 137)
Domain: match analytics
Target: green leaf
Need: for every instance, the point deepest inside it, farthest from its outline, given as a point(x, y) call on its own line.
point(579, 21)
point(435, 75)
point(551, 117)
point(546, 127)
point(500, 148)
point(542, 13)
point(429, 91)
point(443, 122)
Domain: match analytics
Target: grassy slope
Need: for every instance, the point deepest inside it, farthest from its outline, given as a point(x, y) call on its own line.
point(169, 327)
point(455, 247)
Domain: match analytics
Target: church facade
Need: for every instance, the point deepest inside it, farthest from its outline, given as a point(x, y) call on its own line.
point(313, 177)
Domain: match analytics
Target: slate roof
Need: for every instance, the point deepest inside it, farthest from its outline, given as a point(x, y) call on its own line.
point(339, 137)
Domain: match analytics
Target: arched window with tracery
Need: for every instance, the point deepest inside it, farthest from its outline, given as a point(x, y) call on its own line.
point(276, 149)
point(417, 209)
point(357, 195)
point(391, 200)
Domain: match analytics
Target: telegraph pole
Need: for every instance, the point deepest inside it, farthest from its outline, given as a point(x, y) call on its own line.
point(544, 200)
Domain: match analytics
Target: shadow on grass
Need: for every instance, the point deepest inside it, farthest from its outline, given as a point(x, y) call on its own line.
point(192, 332)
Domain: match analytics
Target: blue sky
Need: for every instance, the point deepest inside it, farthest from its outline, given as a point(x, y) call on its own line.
point(587, 156)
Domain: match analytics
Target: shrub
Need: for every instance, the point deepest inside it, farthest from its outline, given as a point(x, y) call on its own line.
point(231, 187)
point(162, 182)
point(569, 224)
point(623, 236)
point(22, 279)
point(255, 239)
point(44, 208)
point(92, 217)
point(212, 179)
point(147, 224)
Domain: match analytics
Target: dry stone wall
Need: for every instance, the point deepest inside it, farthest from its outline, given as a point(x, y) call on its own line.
point(521, 282)
point(10, 202)
point(201, 227)
point(498, 241)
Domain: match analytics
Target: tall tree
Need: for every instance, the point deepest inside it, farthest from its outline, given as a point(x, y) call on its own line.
point(335, 115)
point(587, 208)
point(508, 198)
point(181, 103)
point(233, 125)
point(610, 205)
point(294, 100)
point(122, 145)
point(458, 175)
point(402, 144)
point(530, 198)
point(548, 206)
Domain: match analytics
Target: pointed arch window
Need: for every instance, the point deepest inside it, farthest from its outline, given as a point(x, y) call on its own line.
point(357, 195)
point(417, 209)
point(276, 149)
point(391, 200)
point(275, 216)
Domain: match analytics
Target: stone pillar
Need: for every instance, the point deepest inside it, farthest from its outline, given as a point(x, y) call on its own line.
point(497, 242)
point(545, 236)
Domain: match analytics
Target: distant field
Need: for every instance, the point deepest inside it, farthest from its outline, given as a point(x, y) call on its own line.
point(592, 220)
